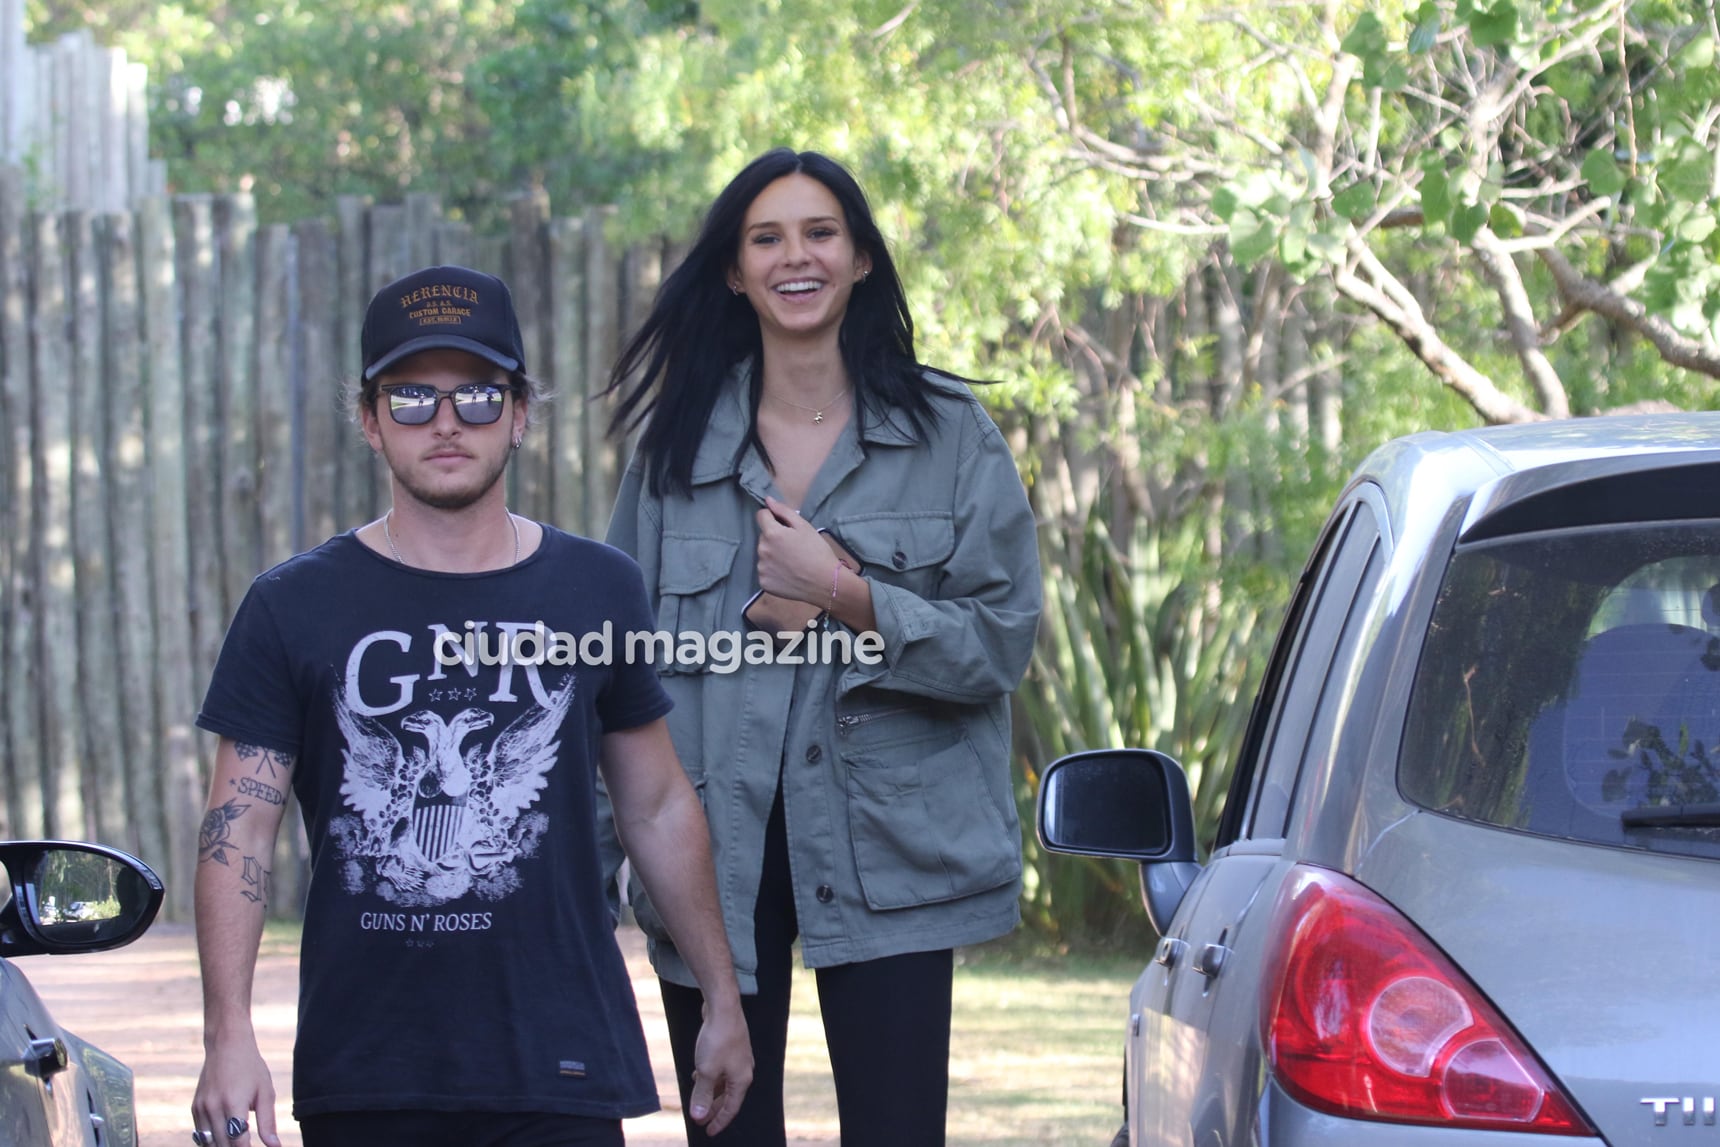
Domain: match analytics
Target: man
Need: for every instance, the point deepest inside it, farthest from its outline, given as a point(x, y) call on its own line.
point(459, 977)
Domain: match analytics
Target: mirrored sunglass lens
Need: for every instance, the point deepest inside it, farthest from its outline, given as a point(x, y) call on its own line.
point(412, 405)
point(478, 404)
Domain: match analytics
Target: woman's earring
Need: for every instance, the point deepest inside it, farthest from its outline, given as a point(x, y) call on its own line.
point(518, 438)
point(736, 288)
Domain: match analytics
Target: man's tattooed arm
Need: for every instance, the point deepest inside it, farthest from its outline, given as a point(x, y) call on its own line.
point(219, 843)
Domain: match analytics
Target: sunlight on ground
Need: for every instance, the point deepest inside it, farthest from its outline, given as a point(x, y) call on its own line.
point(1035, 1056)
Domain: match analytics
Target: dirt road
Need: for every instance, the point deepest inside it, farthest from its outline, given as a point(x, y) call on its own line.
point(142, 1003)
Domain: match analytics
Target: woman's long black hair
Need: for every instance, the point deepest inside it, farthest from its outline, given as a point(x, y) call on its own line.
point(671, 371)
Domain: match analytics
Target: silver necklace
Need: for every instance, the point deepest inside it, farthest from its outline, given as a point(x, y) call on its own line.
point(394, 550)
point(816, 412)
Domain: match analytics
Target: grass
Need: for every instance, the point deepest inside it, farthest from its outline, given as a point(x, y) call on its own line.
point(280, 938)
point(1036, 1048)
point(1035, 1052)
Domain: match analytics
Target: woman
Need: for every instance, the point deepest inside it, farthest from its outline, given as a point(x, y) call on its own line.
point(861, 803)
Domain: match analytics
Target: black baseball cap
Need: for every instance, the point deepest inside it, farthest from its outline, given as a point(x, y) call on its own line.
point(442, 308)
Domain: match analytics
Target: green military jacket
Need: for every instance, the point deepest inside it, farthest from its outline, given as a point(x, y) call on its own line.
point(902, 828)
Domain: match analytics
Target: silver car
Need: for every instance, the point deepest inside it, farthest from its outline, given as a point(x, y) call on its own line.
point(62, 898)
point(1466, 885)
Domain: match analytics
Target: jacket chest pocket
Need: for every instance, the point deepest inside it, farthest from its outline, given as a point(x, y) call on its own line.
point(905, 549)
point(692, 580)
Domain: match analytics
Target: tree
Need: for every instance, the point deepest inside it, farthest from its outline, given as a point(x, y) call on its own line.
point(1552, 151)
point(300, 102)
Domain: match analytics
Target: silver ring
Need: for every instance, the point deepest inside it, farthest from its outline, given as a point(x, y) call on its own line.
point(203, 1138)
point(236, 1127)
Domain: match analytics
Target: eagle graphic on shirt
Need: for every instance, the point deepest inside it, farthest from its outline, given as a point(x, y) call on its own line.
point(437, 820)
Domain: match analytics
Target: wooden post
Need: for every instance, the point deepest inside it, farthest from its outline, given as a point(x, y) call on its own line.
point(489, 254)
point(423, 214)
point(25, 749)
point(454, 243)
point(566, 250)
point(317, 389)
point(236, 342)
point(389, 259)
point(390, 254)
point(602, 345)
point(8, 515)
point(108, 87)
point(177, 690)
point(531, 479)
point(128, 489)
point(280, 435)
point(199, 412)
point(275, 404)
point(44, 140)
point(52, 461)
point(356, 498)
point(15, 81)
point(139, 171)
point(93, 707)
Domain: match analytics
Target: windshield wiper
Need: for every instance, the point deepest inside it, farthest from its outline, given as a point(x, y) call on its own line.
point(1673, 816)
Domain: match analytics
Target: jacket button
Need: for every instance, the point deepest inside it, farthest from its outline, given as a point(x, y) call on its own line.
point(825, 894)
point(899, 560)
point(814, 753)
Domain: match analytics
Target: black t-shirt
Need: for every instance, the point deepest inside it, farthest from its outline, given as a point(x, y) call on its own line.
point(458, 952)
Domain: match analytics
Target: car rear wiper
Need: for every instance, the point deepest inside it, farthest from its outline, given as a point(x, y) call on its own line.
point(1673, 815)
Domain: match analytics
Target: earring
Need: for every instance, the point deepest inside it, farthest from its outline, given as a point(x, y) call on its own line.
point(864, 273)
point(736, 289)
point(518, 438)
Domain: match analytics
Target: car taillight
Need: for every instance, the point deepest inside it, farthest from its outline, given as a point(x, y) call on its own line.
point(1366, 1018)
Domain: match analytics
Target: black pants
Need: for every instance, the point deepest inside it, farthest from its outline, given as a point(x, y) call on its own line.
point(886, 1022)
point(457, 1129)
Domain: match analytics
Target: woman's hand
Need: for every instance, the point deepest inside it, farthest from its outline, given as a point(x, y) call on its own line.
point(793, 561)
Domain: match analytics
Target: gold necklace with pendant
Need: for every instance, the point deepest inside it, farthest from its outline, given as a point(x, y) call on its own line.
point(816, 412)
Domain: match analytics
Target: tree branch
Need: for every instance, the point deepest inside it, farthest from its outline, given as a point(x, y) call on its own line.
point(1580, 291)
point(1501, 271)
point(1382, 294)
point(1194, 230)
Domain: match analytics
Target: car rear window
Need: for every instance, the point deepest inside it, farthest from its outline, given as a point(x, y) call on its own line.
point(1569, 686)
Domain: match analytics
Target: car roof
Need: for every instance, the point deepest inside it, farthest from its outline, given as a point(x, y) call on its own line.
point(1428, 473)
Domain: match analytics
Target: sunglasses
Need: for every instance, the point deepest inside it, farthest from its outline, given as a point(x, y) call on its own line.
point(475, 404)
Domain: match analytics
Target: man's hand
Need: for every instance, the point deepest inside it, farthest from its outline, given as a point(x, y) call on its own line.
point(722, 1069)
point(662, 826)
point(235, 1082)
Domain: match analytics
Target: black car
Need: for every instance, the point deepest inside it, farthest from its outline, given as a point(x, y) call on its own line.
point(58, 897)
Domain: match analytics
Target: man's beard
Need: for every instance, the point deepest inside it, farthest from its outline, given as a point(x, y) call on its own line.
point(455, 499)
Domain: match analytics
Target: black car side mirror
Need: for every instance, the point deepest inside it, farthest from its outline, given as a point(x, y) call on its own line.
point(71, 897)
point(1132, 804)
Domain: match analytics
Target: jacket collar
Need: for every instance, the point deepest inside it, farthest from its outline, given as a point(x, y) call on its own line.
point(732, 414)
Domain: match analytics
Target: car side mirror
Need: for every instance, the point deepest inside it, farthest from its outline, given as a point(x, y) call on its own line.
point(72, 897)
point(1131, 804)
point(1127, 803)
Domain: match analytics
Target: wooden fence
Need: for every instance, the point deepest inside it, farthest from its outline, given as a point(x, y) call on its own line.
point(75, 116)
point(170, 425)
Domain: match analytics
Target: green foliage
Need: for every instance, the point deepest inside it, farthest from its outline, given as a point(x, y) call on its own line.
point(1139, 647)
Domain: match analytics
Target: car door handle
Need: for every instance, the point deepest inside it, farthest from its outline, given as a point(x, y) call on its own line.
point(1210, 962)
point(49, 1056)
point(1170, 950)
